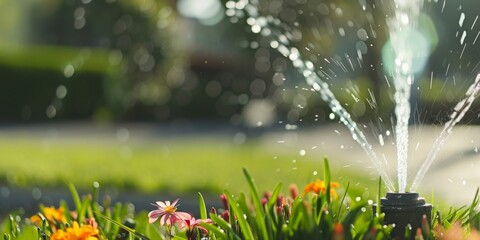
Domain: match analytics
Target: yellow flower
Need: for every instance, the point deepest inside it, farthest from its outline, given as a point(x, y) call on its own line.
point(51, 214)
point(319, 186)
point(76, 232)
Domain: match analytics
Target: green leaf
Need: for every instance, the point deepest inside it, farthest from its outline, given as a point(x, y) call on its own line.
point(202, 207)
point(350, 218)
point(327, 178)
point(213, 229)
point(222, 224)
point(75, 196)
point(239, 213)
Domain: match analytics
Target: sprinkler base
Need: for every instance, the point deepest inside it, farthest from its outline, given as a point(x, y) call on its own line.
point(405, 210)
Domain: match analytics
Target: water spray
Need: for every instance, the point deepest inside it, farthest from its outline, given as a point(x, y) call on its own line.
point(407, 211)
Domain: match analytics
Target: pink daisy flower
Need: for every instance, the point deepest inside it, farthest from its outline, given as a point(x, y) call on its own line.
point(167, 212)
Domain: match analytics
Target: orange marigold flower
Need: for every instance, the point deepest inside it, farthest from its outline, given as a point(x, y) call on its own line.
point(76, 232)
point(51, 214)
point(319, 186)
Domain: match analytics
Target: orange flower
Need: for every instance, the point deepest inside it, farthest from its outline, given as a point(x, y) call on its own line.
point(319, 186)
point(338, 232)
point(51, 214)
point(85, 232)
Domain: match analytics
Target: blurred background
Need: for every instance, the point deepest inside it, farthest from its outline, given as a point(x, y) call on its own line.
point(167, 96)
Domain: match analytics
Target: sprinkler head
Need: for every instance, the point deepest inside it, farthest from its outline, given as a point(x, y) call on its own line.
point(405, 210)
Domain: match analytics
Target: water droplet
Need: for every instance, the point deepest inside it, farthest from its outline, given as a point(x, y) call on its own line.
point(358, 199)
point(370, 202)
point(36, 193)
point(51, 111)
point(68, 71)
point(362, 34)
point(363, 209)
point(331, 116)
point(380, 139)
point(302, 152)
point(123, 134)
point(294, 161)
point(230, 4)
point(256, 28)
point(315, 173)
point(61, 92)
point(291, 127)
point(462, 39)
point(462, 18)
point(239, 138)
point(274, 44)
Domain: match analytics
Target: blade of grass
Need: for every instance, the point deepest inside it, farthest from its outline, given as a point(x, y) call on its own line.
point(379, 196)
point(201, 206)
point(83, 209)
point(270, 213)
point(259, 210)
point(273, 198)
point(342, 201)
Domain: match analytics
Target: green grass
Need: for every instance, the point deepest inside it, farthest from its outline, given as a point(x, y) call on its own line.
point(180, 165)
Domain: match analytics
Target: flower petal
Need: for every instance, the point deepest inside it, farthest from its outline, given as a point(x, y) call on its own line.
point(175, 202)
point(161, 204)
point(183, 215)
point(154, 215)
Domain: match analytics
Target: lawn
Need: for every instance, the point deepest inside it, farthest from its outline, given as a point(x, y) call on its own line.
point(157, 164)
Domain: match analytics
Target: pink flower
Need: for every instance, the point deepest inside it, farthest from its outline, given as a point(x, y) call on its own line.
point(167, 213)
point(193, 224)
point(225, 215)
